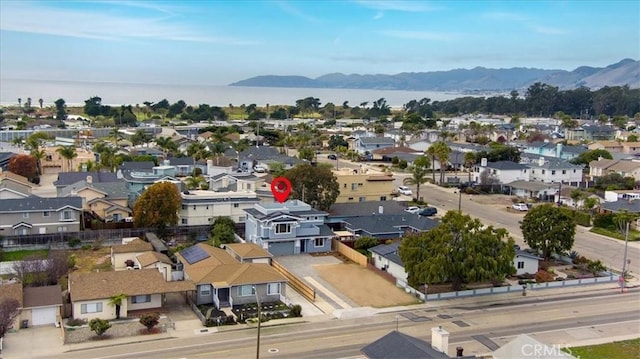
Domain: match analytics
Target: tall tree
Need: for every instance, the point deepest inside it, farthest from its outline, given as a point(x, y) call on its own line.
point(24, 165)
point(223, 231)
point(442, 152)
point(460, 250)
point(167, 145)
point(158, 206)
point(40, 101)
point(418, 173)
point(68, 153)
point(548, 229)
point(470, 160)
point(61, 110)
point(431, 152)
point(314, 185)
point(9, 311)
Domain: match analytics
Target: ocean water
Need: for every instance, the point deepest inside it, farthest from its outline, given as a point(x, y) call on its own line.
point(75, 93)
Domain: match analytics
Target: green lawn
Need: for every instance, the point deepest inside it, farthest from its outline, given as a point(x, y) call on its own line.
point(633, 235)
point(628, 349)
point(19, 255)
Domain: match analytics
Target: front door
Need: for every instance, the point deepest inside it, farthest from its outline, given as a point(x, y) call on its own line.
point(223, 295)
point(303, 245)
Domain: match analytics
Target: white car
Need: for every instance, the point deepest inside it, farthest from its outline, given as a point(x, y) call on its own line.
point(405, 190)
point(412, 209)
point(520, 207)
point(259, 169)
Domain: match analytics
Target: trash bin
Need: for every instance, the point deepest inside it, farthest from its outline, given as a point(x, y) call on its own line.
point(24, 324)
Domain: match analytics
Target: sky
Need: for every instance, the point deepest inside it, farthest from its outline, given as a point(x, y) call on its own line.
point(221, 42)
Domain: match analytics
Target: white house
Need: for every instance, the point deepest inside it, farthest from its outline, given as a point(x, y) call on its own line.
point(500, 172)
point(386, 258)
point(552, 170)
point(200, 207)
point(369, 144)
point(525, 262)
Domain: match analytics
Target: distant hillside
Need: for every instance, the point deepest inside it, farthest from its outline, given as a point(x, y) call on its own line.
point(625, 72)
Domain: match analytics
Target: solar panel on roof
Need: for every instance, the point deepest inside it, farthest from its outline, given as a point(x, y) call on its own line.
point(194, 254)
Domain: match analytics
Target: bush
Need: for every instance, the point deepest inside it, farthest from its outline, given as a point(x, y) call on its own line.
point(295, 311)
point(543, 276)
point(604, 220)
point(71, 261)
point(99, 326)
point(76, 322)
point(150, 320)
point(73, 242)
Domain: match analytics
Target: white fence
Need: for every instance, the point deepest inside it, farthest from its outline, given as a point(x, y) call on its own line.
point(519, 288)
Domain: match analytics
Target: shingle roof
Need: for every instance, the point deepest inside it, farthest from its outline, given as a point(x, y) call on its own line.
point(113, 190)
point(102, 285)
point(67, 178)
point(34, 203)
point(181, 161)
point(136, 245)
point(137, 166)
point(384, 249)
point(377, 140)
point(389, 224)
point(366, 208)
point(6, 175)
point(148, 258)
point(248, 250)
point(506, 165)
point(42, 296)
point(396, 345)
point(622, 205)
point(242, 273)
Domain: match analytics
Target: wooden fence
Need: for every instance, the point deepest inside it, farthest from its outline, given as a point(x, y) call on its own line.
point(294, 282)
point(351, 254)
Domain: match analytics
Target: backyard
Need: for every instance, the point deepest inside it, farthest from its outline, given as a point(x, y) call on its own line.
point(363, 286)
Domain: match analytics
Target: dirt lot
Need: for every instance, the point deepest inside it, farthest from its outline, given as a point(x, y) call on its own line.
point(363, 286)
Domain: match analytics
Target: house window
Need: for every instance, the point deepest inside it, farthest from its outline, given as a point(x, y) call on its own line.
point(319, 242)
point(273, 288)
point(245, 290)
point(205, 290)
point(553, 172)
point(283, 228)
point(141, 299)
point(564, 172)
point(25, 215)
point(520, 265)
point(91, 308)
point(236, 205)
point(62, 228)
point(354, 186)
point(345, 185)
point(383, 198)
point(543, 171)
point(184, 221)
point(362, 199)
point(350, 198)
point(184, 206)
point(46, 214)
point(66, 216)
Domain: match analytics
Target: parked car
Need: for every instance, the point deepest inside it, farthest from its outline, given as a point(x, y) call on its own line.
point(332, 157)
point(412, 209)
point(259, 169)
point(520, 207)
point(405, 190)
point(428, 211)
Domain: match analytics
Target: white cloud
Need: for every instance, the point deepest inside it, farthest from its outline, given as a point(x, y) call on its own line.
point(527, 22)
point(40, 19)
point(406, 6)
point(294, 11)
point(419, 35)
point(378, 16)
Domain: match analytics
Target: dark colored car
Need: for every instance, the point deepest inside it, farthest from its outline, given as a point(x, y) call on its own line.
point(428, 211)
point(332, 157)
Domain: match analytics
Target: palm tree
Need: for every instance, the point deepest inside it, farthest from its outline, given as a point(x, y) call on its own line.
point(431, 151)
point(470, 159)
point(442, 152)
point(19, 102)
point(116, 301)
point(418, 173)
point(167, 145)
point(40, 101)
point(218, 149)
point(39, 154)
point(68, 153)
point(195, 182)
point(116, 135)
point(198, 151)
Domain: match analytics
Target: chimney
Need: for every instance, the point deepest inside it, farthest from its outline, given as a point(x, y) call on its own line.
point(440, 340)
point(84, 167)
point(89, 179)
point(558, 150)
point(459, 351)
point(541, 161)
point(166, 162)
point(380, 209)
point(483, 162)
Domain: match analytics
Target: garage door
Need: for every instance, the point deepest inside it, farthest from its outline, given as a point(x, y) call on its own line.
point(41, 316)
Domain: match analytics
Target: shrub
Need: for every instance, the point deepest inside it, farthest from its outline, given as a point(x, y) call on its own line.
point(543, 276)
point(150, 320)
point(595, 267)
point(604, 220)
point(295, 311)
point(99, 326)
point(76, 322)
point(86, 247)
point(71, 261)
point(73, 242)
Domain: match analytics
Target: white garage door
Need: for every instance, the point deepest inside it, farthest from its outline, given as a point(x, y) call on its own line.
point(40, 316)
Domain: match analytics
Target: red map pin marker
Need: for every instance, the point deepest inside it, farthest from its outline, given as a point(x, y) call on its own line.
point(280, 187)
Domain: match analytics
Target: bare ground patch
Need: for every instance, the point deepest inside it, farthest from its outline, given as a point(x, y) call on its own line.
point(363, 286)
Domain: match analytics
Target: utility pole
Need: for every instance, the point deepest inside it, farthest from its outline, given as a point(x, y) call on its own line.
point(624, 260)
point(255, 289)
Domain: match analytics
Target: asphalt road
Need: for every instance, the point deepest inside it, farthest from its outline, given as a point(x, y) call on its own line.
point(561, 320)
point(594, 246)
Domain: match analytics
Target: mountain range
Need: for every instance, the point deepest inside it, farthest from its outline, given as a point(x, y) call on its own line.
point(625, 72)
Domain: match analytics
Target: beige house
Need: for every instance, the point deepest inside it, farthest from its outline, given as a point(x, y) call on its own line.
point(42, 305)
point(145, 289)
point(122, 253)
point(363, 186)
point(603, 167)
point(248, 253)
point(108, 200)
point(155, 260)
point(616, 146)
point(15, 183)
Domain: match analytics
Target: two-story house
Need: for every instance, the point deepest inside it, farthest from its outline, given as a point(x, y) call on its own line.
point(366, 145)
point(500, 172)
point(552, 170)
point(557, 150)
point(590, 132)
point(201, 207)
point(287, 228)
point(363, 186)
point(625, 168)
point(68, 178)
point(108, 200)
point(40, 215)
point(630, 148)
point(14, 186)
point(140, 175)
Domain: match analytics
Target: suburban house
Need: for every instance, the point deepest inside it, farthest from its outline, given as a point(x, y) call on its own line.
point(363, 186)
point(625, 168)
point(202, 207)
point(385, 257)
point(500, 172)
point(15, 183)
point(154, 260)
point(108, 200)
point(526, 262)
point(556, 150)
point(247, 253)
point(264, 156)
point(184, 165)
point(524, 346)
point(237, 182)
point(40, 215)
point(68, 178)
point(90, 292)
point(366, 145)
point(42, 305)
point(341, 211)
point(224, 281)
point(552, 170)
point(399, 345)
point(388, 226)
point(140, 175)
point(590, 132)
point(123, 256)
point(619, 194)
point(287, 228)
point(529, 189)
point(630, 148)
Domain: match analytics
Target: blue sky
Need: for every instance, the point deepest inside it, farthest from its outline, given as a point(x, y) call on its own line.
point(220, 42)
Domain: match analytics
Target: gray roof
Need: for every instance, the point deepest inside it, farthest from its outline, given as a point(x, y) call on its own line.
point(551, 163)
point(265, 217)
point(377, 140)
point(506, 165)
point(396, 345)
point(388, 251)
point(68, 178)
point(389, 224)
point(365, 208)
point(522, 253)
point(621, 205)
point(137, 166)
point(113, 190)
point(181, 161)
point(532, 186)
point(33, 203)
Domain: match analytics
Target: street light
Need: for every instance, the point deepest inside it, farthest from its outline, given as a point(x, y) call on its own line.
point(255, 291)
